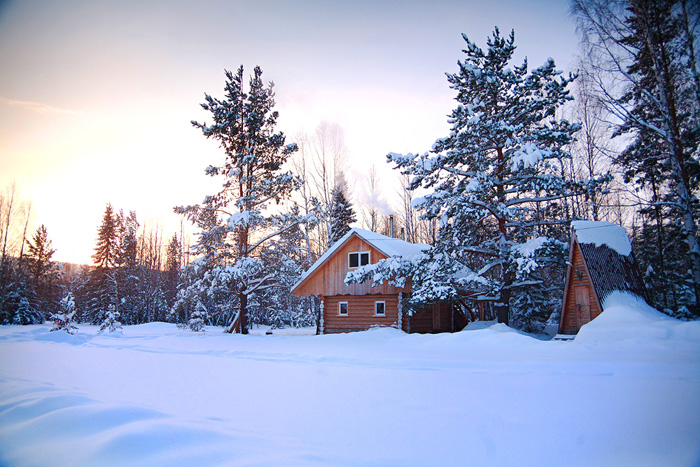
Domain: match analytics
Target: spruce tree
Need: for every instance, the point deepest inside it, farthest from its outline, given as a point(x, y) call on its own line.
point(341, 213)
point(102, 285)
point(105, 255)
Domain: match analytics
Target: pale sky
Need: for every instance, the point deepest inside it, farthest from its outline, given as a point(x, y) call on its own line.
point(96, 97)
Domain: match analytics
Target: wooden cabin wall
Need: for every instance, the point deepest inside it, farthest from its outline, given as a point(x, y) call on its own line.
point(360, 312)
point(572, 318)
point(446, 319)
point(420, 322)
point(329, 279)
point(433, 318)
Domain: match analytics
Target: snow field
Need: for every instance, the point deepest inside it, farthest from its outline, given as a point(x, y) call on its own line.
point(156, 395)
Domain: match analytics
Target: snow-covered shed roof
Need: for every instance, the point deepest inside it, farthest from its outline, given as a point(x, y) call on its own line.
point(607, 251)
point(386, 245)
point(601, 233)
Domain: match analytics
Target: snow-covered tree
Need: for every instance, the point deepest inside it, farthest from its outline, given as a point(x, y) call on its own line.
point(25, 313)
point(235, 222)
point(277, 306)
point(128, 274)
point(101, 289)
point(31, 287)
point(198, 318)
point(110, 322)
point(214, 287)
point(495, 182)
point(18, 298)
point(63, 320)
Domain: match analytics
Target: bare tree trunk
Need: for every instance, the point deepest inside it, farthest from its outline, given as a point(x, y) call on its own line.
point(371, 213)
point(24, 232)
point(408, 213)
point(8, 217)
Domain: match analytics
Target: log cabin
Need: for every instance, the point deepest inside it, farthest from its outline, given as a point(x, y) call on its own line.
point(600, 262)
point(358, 307)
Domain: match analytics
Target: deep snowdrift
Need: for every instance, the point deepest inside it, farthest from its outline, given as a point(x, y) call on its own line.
point(626, 391)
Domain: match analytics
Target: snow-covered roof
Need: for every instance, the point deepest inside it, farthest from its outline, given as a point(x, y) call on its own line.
point(607, 253)
point(603, 233)
point(386, 245)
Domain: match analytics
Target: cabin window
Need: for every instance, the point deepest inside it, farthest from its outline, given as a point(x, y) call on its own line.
point(379, 309)
point(357, 259)
point(343, 308)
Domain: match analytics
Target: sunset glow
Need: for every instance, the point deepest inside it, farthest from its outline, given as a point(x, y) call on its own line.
point(96, 98)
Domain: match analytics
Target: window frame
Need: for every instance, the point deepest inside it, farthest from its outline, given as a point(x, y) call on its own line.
point(359, 258)
point(340, 308)
point(383, 308)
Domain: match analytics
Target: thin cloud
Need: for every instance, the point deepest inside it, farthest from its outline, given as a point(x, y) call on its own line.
point(37, 107)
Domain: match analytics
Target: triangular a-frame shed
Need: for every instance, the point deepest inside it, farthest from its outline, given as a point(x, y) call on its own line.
point(600, 262)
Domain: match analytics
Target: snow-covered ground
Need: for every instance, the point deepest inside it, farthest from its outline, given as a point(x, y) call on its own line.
point(625, 392)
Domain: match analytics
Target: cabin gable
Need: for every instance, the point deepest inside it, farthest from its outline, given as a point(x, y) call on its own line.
point(329, 278)
point(580, 304)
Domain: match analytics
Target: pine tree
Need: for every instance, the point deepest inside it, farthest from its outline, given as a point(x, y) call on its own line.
point(234, 222)
point(43, 271)
point(494, 183)
point(341, 212)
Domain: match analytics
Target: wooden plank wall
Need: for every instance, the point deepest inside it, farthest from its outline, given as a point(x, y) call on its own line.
point(360, 312)
point(571, 319)
point(422, 320)
point(329, 279)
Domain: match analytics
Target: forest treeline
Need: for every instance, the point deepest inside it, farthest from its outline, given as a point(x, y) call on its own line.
point(530, 149)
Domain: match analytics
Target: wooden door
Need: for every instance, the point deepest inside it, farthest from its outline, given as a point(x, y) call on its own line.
point(583, 304)
point(436, 317)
